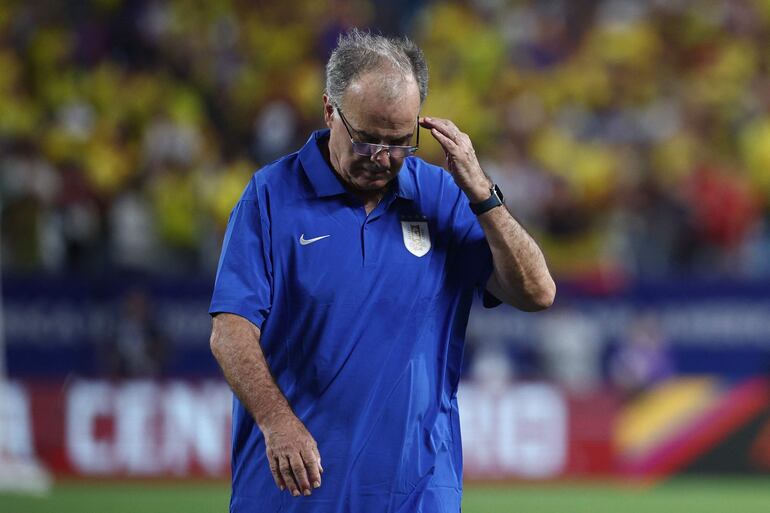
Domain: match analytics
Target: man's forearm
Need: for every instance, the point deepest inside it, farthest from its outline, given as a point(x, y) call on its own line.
point(521, 277)
point(292, 453)
point(235, 344)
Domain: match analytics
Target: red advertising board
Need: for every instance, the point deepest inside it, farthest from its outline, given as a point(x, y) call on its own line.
point(182, 429)
point(535, 431)
point(133, 428)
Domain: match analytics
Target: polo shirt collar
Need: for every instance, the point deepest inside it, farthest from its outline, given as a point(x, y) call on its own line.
point(324, 180)
point(318, 171)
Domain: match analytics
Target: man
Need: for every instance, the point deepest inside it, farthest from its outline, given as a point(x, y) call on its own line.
point(342, 296)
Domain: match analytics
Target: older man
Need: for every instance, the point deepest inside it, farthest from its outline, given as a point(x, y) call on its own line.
point(342, 296)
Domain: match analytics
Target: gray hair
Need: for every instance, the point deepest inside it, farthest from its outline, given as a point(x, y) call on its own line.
point(359, 52)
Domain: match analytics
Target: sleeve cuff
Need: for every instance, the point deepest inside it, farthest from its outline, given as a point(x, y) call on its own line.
point(257, 318)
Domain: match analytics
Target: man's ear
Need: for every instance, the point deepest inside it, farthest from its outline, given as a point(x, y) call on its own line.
point(328, 111)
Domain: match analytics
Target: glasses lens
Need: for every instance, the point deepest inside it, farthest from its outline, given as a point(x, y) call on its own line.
point(369, 149)
point(400, 152)
point(365, 149)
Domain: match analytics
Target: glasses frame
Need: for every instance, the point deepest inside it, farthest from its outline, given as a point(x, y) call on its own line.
point(366, 149)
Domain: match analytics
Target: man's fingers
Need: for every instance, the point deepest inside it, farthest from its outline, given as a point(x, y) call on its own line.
point(279, 482)
point(448, 144)
point(293, 458)
point(300, 474)
point(313, 468)
point(287, 474)
point(443, 126)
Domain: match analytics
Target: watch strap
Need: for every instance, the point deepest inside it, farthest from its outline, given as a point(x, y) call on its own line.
point(495, 200)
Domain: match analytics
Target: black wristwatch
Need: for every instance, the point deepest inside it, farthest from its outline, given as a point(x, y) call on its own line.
point(495, 200)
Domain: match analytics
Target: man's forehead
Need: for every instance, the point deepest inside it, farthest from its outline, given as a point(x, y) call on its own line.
point(375, 103)
point(380, 83)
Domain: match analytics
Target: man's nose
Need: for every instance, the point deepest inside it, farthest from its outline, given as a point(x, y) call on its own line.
point(380, 153)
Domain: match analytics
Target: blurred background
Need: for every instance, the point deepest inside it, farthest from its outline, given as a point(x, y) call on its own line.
point(631, 138)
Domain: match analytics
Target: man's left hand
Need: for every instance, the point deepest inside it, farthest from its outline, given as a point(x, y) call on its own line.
point(461, 158)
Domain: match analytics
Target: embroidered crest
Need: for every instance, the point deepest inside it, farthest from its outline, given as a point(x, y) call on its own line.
point(416, 237)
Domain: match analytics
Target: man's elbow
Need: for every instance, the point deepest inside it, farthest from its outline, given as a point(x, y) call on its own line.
point(542, 298)
point(214, 344)
point(216, 339)
point(231, 334)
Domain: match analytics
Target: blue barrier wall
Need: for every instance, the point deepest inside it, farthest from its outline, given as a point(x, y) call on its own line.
point(59, 326)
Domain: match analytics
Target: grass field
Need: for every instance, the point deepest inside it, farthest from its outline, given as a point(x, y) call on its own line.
point(678, 496)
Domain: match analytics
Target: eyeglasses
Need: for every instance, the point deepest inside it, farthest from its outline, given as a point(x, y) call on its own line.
point(366, 149)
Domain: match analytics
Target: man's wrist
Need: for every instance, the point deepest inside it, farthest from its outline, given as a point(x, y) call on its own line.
point(493, 199)
point(276, 415)
point(479, 191)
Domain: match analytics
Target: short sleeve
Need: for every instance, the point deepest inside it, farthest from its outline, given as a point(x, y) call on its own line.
point(244, 278)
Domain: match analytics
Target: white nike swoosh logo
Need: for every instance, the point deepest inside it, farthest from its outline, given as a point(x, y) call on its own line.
point(305, 242)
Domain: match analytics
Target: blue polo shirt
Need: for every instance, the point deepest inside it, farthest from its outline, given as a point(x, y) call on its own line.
point(362, 322)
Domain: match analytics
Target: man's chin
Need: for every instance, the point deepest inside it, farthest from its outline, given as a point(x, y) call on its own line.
point(373, 184)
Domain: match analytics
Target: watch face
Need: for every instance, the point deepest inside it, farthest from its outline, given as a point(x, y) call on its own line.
point(497, 192)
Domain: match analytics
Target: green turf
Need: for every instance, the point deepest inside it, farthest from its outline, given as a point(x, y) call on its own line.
point(678, 496)
point(111, 497)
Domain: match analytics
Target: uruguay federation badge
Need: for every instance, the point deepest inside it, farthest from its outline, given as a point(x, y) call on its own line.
point(416, 237)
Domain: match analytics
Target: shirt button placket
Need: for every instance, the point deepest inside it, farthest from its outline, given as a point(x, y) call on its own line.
point(364, 251)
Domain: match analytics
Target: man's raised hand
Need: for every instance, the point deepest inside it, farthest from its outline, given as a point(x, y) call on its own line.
point(460, 156)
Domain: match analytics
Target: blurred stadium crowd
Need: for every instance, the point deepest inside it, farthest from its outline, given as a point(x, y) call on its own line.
point(632, 137)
